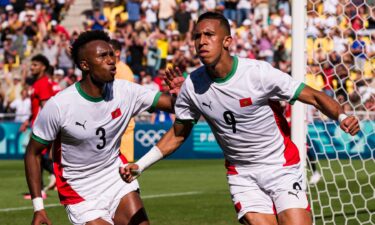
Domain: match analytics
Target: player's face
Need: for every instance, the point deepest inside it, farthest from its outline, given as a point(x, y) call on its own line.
point(210, 40)
point(99, 60)
point(36, 68)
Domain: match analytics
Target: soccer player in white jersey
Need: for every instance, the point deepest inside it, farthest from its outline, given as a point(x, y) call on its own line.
point(86, 122)
point(239, 100)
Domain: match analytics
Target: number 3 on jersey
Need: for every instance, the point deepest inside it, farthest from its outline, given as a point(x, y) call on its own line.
point(230, 120)
point(101, 132)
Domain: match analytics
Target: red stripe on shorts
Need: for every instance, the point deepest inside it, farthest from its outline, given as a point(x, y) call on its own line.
point(238, 207)
point(231, 169)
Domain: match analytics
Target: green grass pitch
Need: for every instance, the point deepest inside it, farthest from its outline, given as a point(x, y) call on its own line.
point(179, 192)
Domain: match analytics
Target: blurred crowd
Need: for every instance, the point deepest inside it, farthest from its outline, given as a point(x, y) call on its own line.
point(156, 34)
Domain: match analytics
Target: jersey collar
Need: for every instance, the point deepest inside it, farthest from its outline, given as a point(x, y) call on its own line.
point(86, 96)
point(230, 74)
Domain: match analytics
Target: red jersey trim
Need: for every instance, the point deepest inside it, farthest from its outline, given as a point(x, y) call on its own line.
point(291, 153)
point(66, 193)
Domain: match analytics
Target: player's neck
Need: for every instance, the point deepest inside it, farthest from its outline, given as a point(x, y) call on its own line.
point(221, 69)
point(91, 88)
point(41, 75)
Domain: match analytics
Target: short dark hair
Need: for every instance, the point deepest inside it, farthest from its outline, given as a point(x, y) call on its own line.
point(216, 16)
point(42, 59)
point(116, 45)
point(83, 39)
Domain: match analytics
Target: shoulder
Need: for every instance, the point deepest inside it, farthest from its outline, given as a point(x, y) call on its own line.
point(42, 81)
point(197, 75)
point(122, 82)
point(65, 94)
point(251, 67)
point(251, 63)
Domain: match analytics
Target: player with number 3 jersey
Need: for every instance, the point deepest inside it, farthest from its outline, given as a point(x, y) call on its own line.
point(86, 121)
point(239, 98)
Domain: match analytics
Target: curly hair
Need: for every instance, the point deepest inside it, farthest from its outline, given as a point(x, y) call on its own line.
point(83, 39)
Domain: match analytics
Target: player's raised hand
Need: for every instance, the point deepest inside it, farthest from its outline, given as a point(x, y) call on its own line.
point(174, 79)
point(129, 172)
point(40, 217)
point(350, 125)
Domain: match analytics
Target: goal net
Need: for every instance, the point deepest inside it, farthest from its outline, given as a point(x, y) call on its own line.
point(340, 52)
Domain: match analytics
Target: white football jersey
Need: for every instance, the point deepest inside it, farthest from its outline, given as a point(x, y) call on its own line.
point(243, 111)
point(89, 131)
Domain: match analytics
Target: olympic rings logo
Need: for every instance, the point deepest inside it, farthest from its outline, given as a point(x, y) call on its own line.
point(149, 138)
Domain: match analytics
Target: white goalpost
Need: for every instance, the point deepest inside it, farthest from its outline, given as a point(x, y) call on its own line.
point(298, 72)
point(345, 192)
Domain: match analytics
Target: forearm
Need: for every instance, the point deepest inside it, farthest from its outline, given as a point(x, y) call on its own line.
point(166, 103)
point(168, 144)
point(327, 105)
point(33, 175)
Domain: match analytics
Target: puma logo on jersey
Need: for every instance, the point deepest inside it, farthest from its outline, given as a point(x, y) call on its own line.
point(207, 105)
point(82, 125)
point(295, 194)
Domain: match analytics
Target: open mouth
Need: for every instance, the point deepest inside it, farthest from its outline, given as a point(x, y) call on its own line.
point(113, 70)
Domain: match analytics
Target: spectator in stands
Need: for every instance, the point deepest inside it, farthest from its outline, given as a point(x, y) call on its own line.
point(31, 31)
point(261, 11)
point(167, 9)
point(150, 8)
point(192, 6)
point(243, 10)
point(98, 20)
point(22, 106)
point(358, 49)
point(230, 7)
point(184, 21)
point(149, 83)
point(50, 50)
point(64, 60)
point(59, 30)
point(134, 10)
point(28, 13)
point(153, 58)
point(59, 78)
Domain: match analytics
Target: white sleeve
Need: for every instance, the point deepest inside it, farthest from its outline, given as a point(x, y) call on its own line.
point(145, 98)
point(14, 104)
point(47, 124)
point(279, 85)
point(184, 107)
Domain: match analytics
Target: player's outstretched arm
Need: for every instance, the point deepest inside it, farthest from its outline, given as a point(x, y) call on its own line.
point(32, 168)
point(166, 103)
point(168, 144)
point(330, 108)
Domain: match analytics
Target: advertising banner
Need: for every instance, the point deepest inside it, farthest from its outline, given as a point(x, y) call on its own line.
point(327, 138)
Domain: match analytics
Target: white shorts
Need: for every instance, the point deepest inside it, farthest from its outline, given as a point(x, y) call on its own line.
point(104, 206)
point(266, 189)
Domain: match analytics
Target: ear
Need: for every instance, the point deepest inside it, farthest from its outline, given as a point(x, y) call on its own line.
point(227, 42)
point(117, 53)
point(84, 65)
